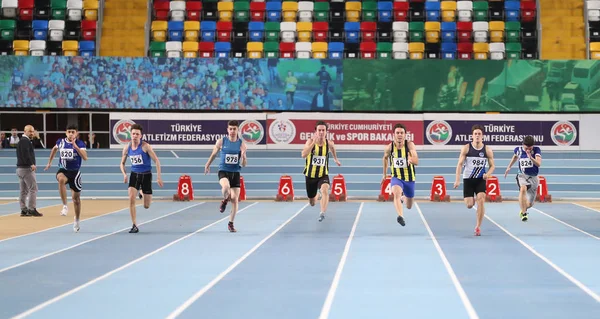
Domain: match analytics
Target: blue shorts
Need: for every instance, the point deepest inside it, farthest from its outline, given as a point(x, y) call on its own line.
point(407, 187)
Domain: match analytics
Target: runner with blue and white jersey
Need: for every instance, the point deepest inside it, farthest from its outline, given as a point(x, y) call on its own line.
point(71, 151)
point(529, 160)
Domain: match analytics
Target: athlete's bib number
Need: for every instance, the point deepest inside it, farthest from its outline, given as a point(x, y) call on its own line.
point(66, 154)
point(136, 160)
point(399, 162)
point(318, 161)
point(478, 162)
point(526, 163)
point(231, 159)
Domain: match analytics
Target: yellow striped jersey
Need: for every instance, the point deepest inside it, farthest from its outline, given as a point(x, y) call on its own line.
point(317, 161)
point(399, 165)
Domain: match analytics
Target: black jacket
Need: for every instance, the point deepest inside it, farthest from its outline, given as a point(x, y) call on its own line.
point(25, 153)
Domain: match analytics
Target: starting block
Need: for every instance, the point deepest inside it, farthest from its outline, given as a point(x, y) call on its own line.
point(185, 190)
point(542, 191)
point(386, 190)
point(286, 189)
point(242, 189)
point(438, 190)
point(338, 189)
point(492, 190)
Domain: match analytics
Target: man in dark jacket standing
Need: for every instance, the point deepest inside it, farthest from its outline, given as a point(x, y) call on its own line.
point(26, 173)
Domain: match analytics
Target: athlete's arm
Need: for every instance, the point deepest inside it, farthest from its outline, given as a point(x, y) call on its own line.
point(386, 157)
point(490, 163)
point(123, 158)
point(461, 161)
point(214, 153)
point(512, 161)
point(52, 153)
point(413, 158)
point(148, 149)
point(537, 159)
point(332, 150)
point(308, 146)
point(243, 150)
point(81, 151)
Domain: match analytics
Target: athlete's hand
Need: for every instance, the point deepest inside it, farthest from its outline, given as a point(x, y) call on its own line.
point(47, 167)
point(124, 178)
point(338, 162)
point(485, 176)
point(206, 169)
point(506, 172)
point(456, 184)
point(159, 181)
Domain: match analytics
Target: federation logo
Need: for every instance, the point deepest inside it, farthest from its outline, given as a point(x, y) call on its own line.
point(251, 132)
point(438, 132)
point(282, 131)
point(122, 131)
point(563, 133)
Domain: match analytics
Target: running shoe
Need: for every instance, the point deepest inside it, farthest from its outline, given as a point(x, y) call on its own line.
point(400, 220)
point(523, 216)
point(231, 228)
point(477, 231)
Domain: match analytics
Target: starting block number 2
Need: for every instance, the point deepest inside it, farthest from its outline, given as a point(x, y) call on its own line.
point(492, 190)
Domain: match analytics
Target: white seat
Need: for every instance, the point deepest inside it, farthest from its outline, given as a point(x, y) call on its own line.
point(400, 50)
point(288, 31)
point(593, 10)
point(465, 10)
point(177, 9)
point(173, 49)
point(56, 29)
point(480, 31)
point(37, 47)
point(400, 31)
point(9, 8)
point(497, 51)
point(74, 9)
point(303, 50)
point(305, 11)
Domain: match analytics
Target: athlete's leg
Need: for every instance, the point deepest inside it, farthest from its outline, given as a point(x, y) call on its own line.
point(468, 194)
point(311, 190)
point(132, 194)
point(480, 210)
point(62, 190)
point(226, 191)
point(76, 196)
point(235, 195)
point(523, 198)
point(408, 196)
point(324, 198)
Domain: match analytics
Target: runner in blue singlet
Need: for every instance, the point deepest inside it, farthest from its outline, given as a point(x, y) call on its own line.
point(141, 155)
point(530, 160)
point(232, 152)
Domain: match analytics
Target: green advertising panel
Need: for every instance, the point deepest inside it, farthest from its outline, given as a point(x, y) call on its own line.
point(471, 86)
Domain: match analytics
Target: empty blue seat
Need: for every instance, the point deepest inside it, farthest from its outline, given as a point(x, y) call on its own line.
point(175, 29)
point(448, 51)
point(336, 50)
point(222, 49)
point(40, 29)
point(273, 11)
point(448, 30)
point(384, 11)
point(352, 30)
point(432, 11)
point(256, 31)
point(87, 48)
point(511, 9)
point(208, 30)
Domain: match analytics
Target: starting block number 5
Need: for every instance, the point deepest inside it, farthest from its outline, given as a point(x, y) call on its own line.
point(338, 190)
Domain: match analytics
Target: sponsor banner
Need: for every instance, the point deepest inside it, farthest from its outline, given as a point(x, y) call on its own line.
point(506, 133)
point(184, 133)
point(344, 132)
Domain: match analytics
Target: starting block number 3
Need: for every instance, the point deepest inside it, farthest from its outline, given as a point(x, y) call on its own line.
point(438, 189)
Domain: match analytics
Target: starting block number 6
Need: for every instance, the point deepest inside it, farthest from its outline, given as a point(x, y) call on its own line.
point(285, 189)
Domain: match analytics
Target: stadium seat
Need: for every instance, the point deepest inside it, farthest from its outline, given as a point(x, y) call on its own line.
point(255, 50)
point(177, 10)
point(7, 29)
point(319, 50)
point(41, 10)
point(58, 9)
point(70, 47)
point(37, 47)
point(384, 50)
point(74, 8)
point(26, 10)
point(9, 8)
point(54, 48)
point(174, 49)
point(21, 47)
point(90, 9)
point(6, 47)
point(56, 29)
point(190, 49)
point(400, 50)
point(40, 29)
point(481, 50)
point(303, 50)
point(87, 48)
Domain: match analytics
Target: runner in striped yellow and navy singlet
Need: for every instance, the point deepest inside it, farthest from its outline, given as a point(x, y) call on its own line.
point(401, 156)
point(316, 169)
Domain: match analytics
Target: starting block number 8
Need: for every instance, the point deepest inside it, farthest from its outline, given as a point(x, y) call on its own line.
point(185, 189)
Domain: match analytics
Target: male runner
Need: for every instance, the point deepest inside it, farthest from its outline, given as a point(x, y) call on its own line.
point(233, 157)
point(316, 170)
point(140, 154)
point(70, 151)
point(530, 160)
point(401, 155)
point(474, 157)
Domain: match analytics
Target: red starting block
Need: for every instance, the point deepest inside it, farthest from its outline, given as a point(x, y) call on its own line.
point(542, 191)
point(185, 190)
point(286, 189)
point(438, 190)
point(492, 190)
point(338, 189)
point(386, 190)
point(242, 189)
